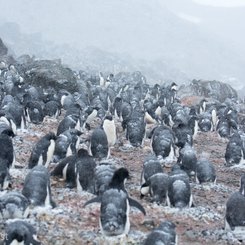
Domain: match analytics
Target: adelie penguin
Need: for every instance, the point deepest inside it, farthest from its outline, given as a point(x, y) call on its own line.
point(37, 187)
point(179, 189)
point(164, 234)
point(85, 166)
point(110, 130)
point(235, 212)
point(114, 209)
point(42, 152)
point(99, 147)
point(20, 232)
point(14, 205)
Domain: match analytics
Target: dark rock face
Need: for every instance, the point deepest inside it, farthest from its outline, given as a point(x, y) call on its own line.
point(50, 73)
point(210, 89)
point(3, 48)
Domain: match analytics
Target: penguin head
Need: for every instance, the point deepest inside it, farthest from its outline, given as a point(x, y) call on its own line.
point(119, 177)
point(167, 225)
point(82, 152)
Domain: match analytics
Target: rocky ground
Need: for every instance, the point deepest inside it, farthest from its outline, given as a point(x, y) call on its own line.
point(71, 223)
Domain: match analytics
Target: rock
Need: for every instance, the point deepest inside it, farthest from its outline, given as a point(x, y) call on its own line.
point(209, 89)
point(49, 73)
point(3, 48)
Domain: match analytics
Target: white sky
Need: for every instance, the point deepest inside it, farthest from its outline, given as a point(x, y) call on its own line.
point(222, 3)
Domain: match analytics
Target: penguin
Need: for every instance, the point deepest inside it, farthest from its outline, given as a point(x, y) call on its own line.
point(66, 169)
point(205, 122)
point(42, 152)
point(164, 234)
point(135, 129)
point(103, 174)
point(205, 171)
point(90, 114)
point(5, 178)
point(7, 148)
point(99, 147)
point(52, 108)
point(66, 144)
point(162, 144)
point(14, 205)
point(115, 205)
point(234, 150)
point(188, 160)
point(203, 106)
point(37, 187)
point(179, 189)
point(110, 130)
point(125, 114)
point(34, 112)
point(85, 165)
point(68, 122)
point(235, 212)
point(158, 188)
point(117, 108)
point(20, 232)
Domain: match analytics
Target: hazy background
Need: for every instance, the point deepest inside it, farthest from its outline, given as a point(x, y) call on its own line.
point(167, 40)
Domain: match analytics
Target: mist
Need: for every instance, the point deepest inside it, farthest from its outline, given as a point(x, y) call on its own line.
point(166, 40)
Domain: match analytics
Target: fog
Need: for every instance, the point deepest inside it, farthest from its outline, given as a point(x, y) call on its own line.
point(167, 40)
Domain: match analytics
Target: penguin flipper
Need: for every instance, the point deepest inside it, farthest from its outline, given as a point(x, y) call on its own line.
point(136, 204)
point(95, 199)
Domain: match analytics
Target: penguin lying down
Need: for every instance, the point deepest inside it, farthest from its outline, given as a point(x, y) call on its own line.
point(115, 205)
point(114, 211)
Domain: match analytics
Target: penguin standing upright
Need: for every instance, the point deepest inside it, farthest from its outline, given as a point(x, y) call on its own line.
point(110, 130)
point(235, 211)
point(37, 187)
point(43, 151)
point(85, 166)
point(99, 147)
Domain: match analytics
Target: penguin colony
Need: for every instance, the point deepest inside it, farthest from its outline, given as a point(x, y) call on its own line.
point(105, 116)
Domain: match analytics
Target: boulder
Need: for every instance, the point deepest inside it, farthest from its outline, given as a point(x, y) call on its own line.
point(209, 89)
point(49, 73)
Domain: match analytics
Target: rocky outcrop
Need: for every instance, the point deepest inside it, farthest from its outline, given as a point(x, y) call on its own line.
point(49, 73)
point(209, 89)
point(3, 48)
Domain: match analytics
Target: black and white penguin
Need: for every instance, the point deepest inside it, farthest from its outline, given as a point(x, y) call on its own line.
point(235, 212)
point(5, 178)
point(164, 234)
point(91, 113)
point(42, 152)
point(52, 108)
point(162, 144)
point(188, 160)
point(34, 112)
point(205, 171)
point(68, 122)
point(205, 122)
point(20, 232)
point(66, 169)
point(102, 176)
point(7, 148)
point(14, 205)
point(179, 189)
point(202, 106)
point(99, 147)
point(37, 187)
point(85, 166)
point(117, 108)
point(115, 203)
point(66, 144)
point(158, 188)
point(110, 130)
point(135, 133)
point(234, 150)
